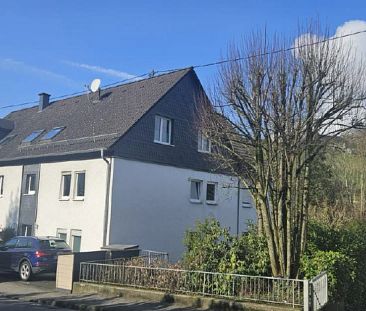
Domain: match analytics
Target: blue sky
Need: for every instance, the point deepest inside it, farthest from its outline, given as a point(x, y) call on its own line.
point(59, 46)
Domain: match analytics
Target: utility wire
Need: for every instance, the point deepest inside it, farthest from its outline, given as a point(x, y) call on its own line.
point(292, 48)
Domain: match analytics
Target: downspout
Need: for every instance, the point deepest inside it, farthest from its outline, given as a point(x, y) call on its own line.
point(238, 209)
point(106, 206)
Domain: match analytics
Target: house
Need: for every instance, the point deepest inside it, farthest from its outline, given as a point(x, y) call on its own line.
point(123, 165)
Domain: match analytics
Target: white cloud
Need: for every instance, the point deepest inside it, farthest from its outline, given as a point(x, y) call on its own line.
point(103, 70)
point(21, 67)
point(353, 46)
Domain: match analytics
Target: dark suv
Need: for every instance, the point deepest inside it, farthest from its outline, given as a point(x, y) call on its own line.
point(30, 255)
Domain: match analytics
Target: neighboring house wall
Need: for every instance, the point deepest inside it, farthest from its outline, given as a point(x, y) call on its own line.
point(10, 200)
point(71, 216)
point(150, 205)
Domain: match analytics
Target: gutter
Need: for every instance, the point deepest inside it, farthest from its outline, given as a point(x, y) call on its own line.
point(106, 204)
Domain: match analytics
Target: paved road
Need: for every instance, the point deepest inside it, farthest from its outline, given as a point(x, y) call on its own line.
point(16, 295)
point(17, 305)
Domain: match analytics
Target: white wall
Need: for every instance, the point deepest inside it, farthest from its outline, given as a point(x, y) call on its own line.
point(150, 205)
point(9, 202)
point(86, 215)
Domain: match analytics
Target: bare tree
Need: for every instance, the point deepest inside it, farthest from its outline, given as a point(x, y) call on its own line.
point(270, 113)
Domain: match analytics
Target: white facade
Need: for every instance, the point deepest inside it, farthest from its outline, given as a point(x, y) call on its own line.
point(148, 204)
point(10, 199)
point(73, 216)
point(151, 206)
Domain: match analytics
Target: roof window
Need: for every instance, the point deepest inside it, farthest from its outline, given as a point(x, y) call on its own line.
point(52, 133)
point(32, 136)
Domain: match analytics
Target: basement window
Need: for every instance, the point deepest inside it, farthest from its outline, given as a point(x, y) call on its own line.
point(52, 133)
point(33, 136)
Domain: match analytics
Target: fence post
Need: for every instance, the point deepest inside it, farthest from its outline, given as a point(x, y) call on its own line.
point(306, 295)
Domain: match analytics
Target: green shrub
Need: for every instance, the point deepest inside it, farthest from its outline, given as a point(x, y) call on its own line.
point(340, 269)
point(209, 247)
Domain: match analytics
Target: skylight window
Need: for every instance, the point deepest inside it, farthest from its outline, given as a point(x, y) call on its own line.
point(52, 133)
point(32, 136)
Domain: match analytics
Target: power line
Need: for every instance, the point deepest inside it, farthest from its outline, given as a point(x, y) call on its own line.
point(292, 48)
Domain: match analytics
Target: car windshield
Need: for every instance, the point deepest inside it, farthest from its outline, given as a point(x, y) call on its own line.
point(53, 244)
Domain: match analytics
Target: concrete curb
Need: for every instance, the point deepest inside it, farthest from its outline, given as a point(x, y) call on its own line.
point(204, 303)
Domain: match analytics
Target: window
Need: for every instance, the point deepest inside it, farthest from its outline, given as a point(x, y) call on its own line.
point(196, 189)
point(32, 136)
point(65, 186)
point(30, 184)
point(6, 139)
point(211, 193)
point(163, 130)
point(204, 144)
point(52, 133)
point(26, 230)
point(24, 243)
point(11, 243)
point(53, 244)
point(75, 240)
point(62, 234)
point(1, 185)
point(80, 185)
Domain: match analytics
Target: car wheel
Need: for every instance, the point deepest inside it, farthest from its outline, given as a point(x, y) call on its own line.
point(25, 271)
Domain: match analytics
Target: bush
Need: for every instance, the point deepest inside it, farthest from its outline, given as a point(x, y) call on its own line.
point(341, 252)
point(340, 269)
point(209, 247)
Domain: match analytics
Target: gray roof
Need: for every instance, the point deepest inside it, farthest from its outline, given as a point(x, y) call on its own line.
point(90, 125)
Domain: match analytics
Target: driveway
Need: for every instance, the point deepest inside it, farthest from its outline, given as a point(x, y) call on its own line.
point(10, 284)
point(19, 295)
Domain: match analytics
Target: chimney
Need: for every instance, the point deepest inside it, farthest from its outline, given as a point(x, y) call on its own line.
point(44, 101)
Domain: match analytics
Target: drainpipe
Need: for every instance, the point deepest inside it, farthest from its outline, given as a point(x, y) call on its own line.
point(106, 207)
point(238, 209)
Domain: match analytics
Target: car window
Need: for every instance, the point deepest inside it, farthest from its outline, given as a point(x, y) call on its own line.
point(11, 243)
point(53, 243)
point(24, 243)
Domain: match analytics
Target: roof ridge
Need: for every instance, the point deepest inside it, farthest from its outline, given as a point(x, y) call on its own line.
point(108, 88)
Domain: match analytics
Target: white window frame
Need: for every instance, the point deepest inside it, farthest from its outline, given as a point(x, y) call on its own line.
point(212, 202)
point(62, 197)
point(2, 185)
point(199, 200)
point(28, 191)
point(61, 231)
point(76, 197)
point(201, 138)
point(160, 119)
point(74, 232)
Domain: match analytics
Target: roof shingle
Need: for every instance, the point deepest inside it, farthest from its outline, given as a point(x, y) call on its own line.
point(90, 124)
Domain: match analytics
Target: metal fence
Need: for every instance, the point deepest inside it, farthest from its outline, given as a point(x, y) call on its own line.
point(319, 291)
point(153, 256)
point(235, 286)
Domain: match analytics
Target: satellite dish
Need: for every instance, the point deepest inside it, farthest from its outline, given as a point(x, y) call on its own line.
point(94, 86)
